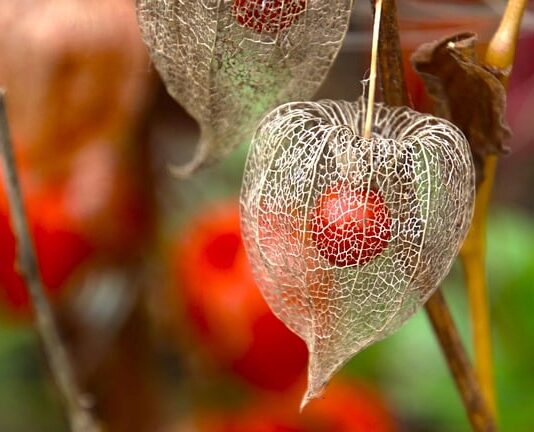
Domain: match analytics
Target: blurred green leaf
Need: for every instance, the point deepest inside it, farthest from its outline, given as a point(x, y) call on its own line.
point(26, 395)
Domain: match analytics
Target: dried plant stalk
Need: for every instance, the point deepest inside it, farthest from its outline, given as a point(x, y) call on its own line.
point(229, 62)
point(478, 411)
point(79, 415)
point(341, 297)
point(500, 58)
point(395, 93)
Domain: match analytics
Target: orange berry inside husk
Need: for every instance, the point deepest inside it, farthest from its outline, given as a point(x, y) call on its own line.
point(351, 226)
point(268, 16)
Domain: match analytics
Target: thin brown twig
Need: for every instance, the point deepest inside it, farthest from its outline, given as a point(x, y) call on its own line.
point(395, 94)
point(473, 257)
point(79, 415)
point(439, 315)
point(389, 58)
point(500, 58)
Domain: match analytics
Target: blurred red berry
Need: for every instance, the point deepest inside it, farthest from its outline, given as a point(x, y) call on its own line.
point(247, 422)
point(95, 211)
point(351, 226)
point(59, 244)
point(231, 317)
point(347, 406)
point(269, 16)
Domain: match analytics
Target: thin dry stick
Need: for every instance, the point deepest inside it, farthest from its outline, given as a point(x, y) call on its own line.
point(499, 56)
point(459, 365)
point(395, 93)
point(79, 416)
point(501, 51)
point(390, 59)
point(473, 257)
point(372, 76)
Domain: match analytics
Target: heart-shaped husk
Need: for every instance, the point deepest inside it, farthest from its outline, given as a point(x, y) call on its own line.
point(421, 168)
point(230, 62)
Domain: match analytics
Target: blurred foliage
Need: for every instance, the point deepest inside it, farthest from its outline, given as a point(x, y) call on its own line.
point(26, 394)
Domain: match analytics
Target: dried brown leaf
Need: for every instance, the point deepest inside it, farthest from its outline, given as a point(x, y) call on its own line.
point(465, 91)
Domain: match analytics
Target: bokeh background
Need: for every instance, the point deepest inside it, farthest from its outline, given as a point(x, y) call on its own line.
point(148, 276)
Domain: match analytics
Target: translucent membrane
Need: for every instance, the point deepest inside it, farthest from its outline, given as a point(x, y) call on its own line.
point(394, 208)
point(229, 62)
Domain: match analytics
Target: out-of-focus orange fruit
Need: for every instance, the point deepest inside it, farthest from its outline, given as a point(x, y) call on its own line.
point(348, 406)
point(74, 70)
point(59, 244)
point(230, 317)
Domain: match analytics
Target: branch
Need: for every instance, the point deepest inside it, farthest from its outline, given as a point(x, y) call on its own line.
point(439, 315)
point(389, 57)
point(501, 51)
point(79, 416)
point(395, 93)
point(473, 257)
point(500, 57)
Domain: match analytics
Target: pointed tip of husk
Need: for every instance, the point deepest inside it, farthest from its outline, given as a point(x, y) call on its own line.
point(310, 395)
point(185, 171)
point(203, 156)
point(320, 372)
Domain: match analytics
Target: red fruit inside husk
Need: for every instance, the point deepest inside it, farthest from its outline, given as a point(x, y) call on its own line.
point(351, 226)
point(269, 16)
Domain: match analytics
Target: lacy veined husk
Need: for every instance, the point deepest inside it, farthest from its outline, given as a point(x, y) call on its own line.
point(228, 72)
point(422, 168)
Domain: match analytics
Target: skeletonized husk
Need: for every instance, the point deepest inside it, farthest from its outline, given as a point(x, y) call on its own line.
point(421, 166)
point(228, 75)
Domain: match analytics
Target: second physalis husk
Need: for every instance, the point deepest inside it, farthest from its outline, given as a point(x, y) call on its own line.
point(348, 236)
point(229, 62)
